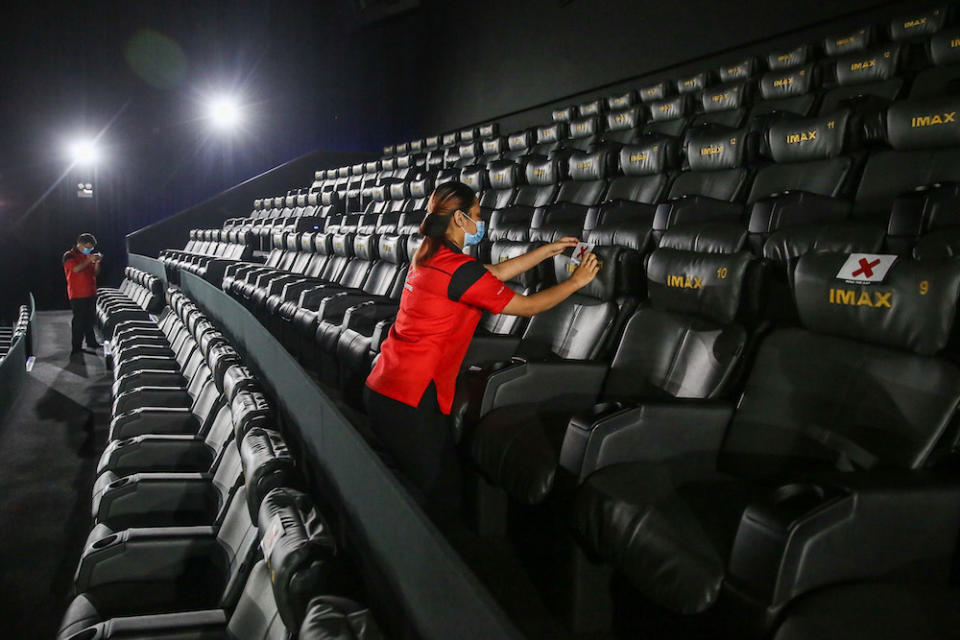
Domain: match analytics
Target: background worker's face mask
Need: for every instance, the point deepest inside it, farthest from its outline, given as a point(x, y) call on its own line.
point(86, 250)
point(470, 239)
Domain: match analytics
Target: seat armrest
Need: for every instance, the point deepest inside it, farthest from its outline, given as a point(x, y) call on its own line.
point(336, 306)
point(846, 526)
point(156, 499)
point(568, 384)
point(153, 420)
point(311, 298)
point(148, 378)
point(208, 624)
point(156, 453)
point(651, 431)
point(487, 349)
point(144, 397)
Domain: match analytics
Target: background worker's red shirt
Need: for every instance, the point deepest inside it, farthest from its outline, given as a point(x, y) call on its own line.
point(441, 304)
point(83, 283)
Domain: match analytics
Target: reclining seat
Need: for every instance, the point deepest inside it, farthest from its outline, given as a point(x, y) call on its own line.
point(585, 133)
point(518, 144)
point(582, 328)
point(914, 182)
point(577, 199)
point(814, 477)
point(300, 563)
point(943, 78)
point(513, 221)
point(246, 284)
point(669, 117)
point(549, 140)
point(270, 283)
point(866, 79)
point(235, 274)
point(623, 125)
point(789, 87)
point(726, 104)
point(492, 149)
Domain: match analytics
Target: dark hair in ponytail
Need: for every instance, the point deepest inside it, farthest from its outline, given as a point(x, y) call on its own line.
point(445, 200)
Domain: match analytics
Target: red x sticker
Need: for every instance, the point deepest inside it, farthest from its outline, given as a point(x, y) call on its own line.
point(866, 267)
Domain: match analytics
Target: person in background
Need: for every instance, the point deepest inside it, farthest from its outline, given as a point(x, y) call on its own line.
point(81, 267)
point(409, 393)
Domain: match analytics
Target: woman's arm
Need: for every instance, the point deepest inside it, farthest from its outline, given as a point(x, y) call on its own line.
point(82, 264)
point(515, 266)
point(526, 306)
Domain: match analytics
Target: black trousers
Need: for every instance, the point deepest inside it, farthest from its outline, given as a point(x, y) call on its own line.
point(419, 445)
point(84, 318)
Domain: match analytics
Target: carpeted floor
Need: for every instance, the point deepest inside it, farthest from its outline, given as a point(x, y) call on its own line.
point(50, 439)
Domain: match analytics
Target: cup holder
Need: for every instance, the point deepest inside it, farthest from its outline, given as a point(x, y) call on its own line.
point(798, 497)
point(116, 484)
point(105, 542)
point(603, 408)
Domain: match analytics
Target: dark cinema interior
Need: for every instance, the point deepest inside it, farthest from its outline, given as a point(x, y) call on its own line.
point(744, 422)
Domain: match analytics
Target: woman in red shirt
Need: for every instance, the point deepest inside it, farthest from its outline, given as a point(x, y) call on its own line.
point(409, 392)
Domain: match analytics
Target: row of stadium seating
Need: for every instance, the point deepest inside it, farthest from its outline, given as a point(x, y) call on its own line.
point(199, 506)
point(17, 331)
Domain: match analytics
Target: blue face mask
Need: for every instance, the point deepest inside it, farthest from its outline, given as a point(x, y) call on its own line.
point(86, 252)
point(470, 239)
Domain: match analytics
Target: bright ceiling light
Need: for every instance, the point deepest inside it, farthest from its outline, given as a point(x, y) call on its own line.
point(224, 112)
point(84, 152)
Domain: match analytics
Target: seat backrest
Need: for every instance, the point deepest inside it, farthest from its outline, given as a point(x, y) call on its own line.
point(686, 342)
point(788, 89)
point(863, 383)
point(869, 77)
point(944, 77)
point(669, 116)
point(718, 165)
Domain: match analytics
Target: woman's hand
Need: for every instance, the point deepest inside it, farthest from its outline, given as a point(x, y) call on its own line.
point(554, 248)
point(586, 272)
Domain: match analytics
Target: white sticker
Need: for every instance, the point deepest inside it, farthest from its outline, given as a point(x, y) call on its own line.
point(274, 532)
point(580, 251)
point(866, 267)
point(107, 348)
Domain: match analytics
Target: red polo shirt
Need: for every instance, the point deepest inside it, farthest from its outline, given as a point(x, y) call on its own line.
point(441, 304)
point(83, 283)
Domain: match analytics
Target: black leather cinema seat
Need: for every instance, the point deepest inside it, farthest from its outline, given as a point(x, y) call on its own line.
point(825, 471)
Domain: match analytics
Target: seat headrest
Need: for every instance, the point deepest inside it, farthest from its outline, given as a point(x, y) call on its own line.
point(416, 146)
point(592, 108)
point(712, 150)
point(740, 71)
point(912, 308)
point(323, 243)
point(589, 166)
point(421, 187)
point(371, 167)
point(723, 97)
point(709, 236)
point(779, 83)
point(780, 60)
point(551, 133)
point(945, 47)
point(520, 141)
point(585, 127)
point(357, 169)
point(469, 149)
point(267, 464)
point(541, 172)
point(604, 286)
point(431, 142)
point(450, 139)
point(335, 618)
point(474, 177)
point(623, 101)
point(329, 198)
point(342, 172)
point(646, 158)
point(331, 174)
point(502, 174)
point(313, 198)
point(388, 164)
point(399, 191)
point(623, 119)
point(502, 250)
point(704, 284)
point(654, 92)
point(365, 247)
point(672, 109)
point(918, 24)
point(806, 139)
point(492, 146)
point(378, 193)
point(924, 124)
point(343, 244)
point(849, 42)
point(563, 115)
point(238, 378)
point(250, 409)
point(489, 130)
point(404, 162)
point(299, 549)
point(874, 65)
point(693, 83)
point(390, 248)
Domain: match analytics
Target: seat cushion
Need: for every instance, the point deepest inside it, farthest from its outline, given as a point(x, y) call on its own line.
point(667, 528)
point(874, 612)
point(517, 447)
point(79, 615)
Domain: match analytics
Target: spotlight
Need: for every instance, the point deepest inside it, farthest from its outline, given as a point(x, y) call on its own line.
point(84, 152)
point(224, 112)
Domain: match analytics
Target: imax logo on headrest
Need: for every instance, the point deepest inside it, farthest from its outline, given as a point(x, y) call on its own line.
point(721, 97)
point(803, 136)
point(850, 298)
point(933, 120)
point(638, 157)
point(581, 126)
point(783, 82)
point(539, 172)
point(691, 82)
point(845, 41)
point(712, 150)
point(955, 43)
point(866, 64)
point(620, 117)
point(910, 24)
point(585, 165)
point(685, 282)
point(740, 68)
point(664, 108)
point(651, 91)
